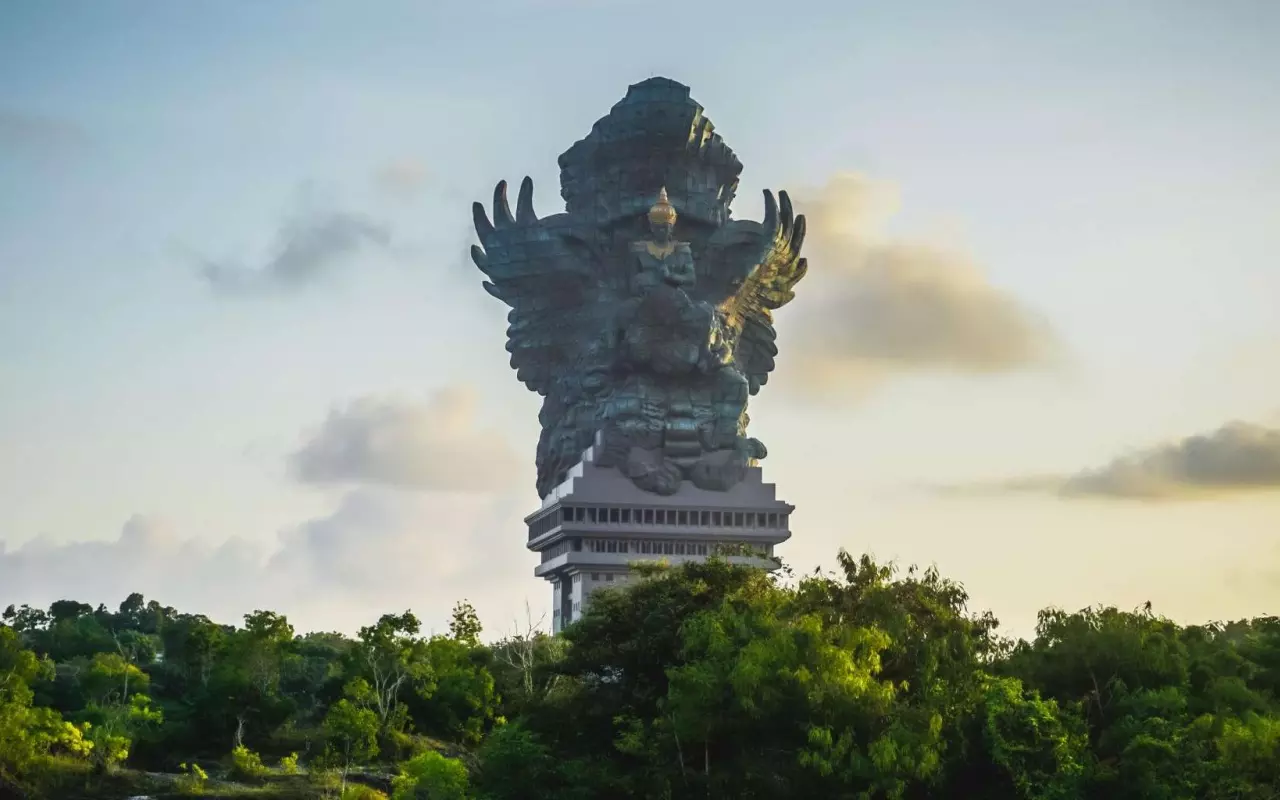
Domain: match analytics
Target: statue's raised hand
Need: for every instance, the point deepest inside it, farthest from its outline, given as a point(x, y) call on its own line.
point(741, 250)
point(784, 232)
point(749, 269)
point(505, 230)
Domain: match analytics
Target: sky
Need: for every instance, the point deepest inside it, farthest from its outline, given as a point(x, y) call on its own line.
point(246, 363)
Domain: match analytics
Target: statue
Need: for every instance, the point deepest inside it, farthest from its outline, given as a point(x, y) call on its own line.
point(643, 313)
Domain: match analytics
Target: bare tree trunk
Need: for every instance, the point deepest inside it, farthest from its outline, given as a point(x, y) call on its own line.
point(706, 762)
point(127, 663)
point(346, 767)
point(520, 651)
point(679, 751)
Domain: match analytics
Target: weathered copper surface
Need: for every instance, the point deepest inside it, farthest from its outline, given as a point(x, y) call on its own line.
point(643, 312)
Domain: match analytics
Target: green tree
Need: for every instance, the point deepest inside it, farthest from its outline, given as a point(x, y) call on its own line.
point(464, 625)
point(110, 679)
point(463, 702)
point(517, 765)
point(352, 733)
point(393, 660)
point(29, 734)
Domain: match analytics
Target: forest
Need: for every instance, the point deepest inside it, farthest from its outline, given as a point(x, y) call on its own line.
point(700, 681)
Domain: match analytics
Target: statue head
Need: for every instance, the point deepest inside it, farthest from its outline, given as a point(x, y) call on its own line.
point(662, 217)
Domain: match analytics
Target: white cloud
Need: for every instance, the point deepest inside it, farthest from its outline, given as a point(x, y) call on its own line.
point(379, 551)
point(874, 305)
point(437, 445)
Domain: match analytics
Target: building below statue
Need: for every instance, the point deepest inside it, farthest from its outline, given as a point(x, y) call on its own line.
point(597, 523)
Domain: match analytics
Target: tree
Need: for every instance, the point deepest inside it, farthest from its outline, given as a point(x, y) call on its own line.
point(109, 679)
point(393, 659)
point(464, 700)
point(263, 646)
point(192, 648)
point(522, 665)
point(705, 680)
point(517, 765)
point(29, 733)
point(464, 626)
point(246, 682)
point(25, 618)
point(352, 733)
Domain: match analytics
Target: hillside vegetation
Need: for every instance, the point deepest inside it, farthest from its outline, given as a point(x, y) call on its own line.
point(704, 681)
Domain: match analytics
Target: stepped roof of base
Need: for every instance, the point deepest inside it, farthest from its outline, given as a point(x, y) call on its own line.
point(590, 483)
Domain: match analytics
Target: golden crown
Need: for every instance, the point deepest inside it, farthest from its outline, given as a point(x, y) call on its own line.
point(662, 211)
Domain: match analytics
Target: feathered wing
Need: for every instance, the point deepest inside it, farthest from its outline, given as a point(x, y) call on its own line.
point(542, 269)
point(749, 269)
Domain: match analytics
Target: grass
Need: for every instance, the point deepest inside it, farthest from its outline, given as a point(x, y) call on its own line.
point(68, 779)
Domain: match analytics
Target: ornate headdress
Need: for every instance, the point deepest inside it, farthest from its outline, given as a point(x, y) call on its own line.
point(655, 136)
point(662, 211)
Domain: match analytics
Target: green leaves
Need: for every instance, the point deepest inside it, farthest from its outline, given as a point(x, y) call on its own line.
point(352, 732)
point(1041, 751)
point(707, 680)
point(431, 775)
point(464, 626)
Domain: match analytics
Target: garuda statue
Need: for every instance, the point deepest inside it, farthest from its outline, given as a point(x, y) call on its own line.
point(642, 314)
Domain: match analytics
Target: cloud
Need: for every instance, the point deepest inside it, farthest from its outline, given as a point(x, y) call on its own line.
point(1237, 458)
point(379, 551)
point(309, 245)
point(402, 179)
point(437, 445)
point(146, 555)
point(877, 305)
point(27, 134)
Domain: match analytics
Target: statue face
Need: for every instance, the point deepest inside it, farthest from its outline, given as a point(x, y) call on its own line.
point(662, 230)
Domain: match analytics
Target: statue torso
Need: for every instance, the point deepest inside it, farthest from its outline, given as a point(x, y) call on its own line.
point(661, 262)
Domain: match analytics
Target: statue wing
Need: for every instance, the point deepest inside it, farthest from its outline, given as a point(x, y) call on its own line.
point(543, 269)
point(748, 269)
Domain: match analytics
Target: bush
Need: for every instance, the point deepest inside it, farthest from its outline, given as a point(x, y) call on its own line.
point(289, 764)
point(323, 779)
point(358, 791)
point(513, 759)
point(246, 764)
point(193, 779)
point(431, 775)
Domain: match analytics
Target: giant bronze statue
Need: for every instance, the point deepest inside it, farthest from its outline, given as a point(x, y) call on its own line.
point(643, 313)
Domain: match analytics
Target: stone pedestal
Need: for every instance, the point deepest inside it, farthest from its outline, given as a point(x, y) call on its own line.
point(596, 524)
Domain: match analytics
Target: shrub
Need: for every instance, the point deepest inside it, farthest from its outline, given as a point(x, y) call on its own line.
point(289, 764)
point(358, 791)
point(193, 779)
point(325, 780)
point(246, 764)
point(431, 775)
